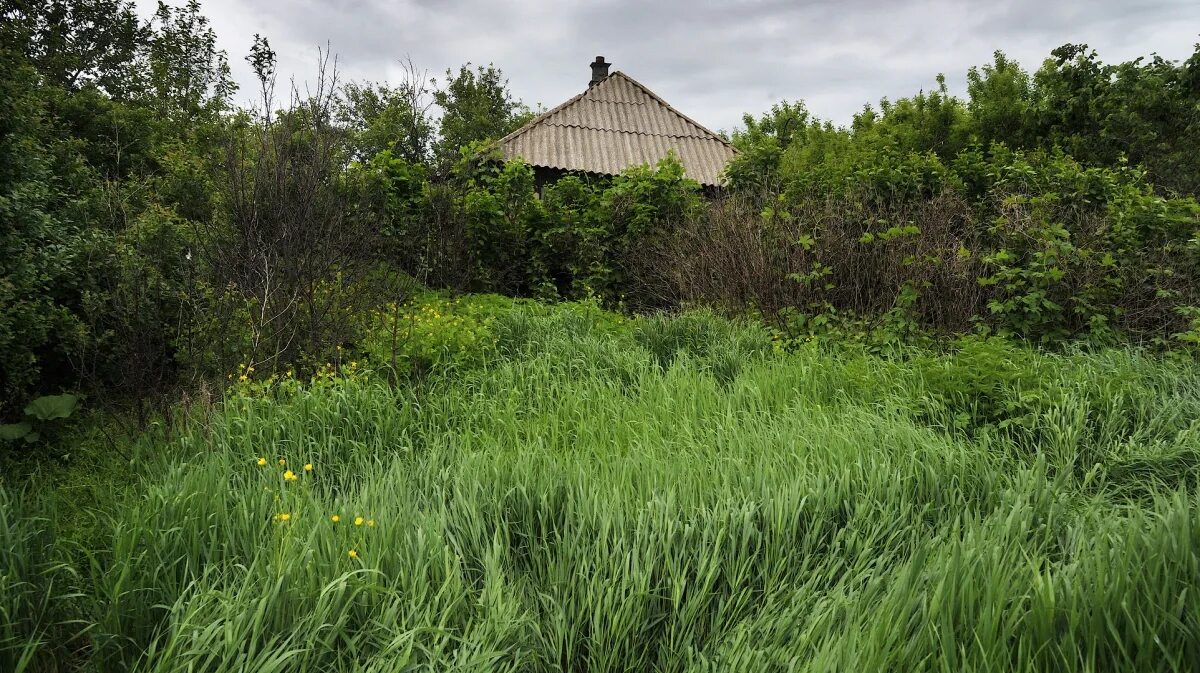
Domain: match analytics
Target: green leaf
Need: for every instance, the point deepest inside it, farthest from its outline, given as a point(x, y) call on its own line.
point(52, 406)
point(11, 432)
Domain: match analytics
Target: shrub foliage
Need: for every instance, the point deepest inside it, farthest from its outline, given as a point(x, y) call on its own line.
point(156, 235)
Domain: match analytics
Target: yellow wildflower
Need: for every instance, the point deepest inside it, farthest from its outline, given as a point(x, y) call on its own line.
point(290, 476)
point(283, 516)
point(370, 522)
point(335, 518)
point(308, 467)
point(352, 553)
point(358, 521)
point(282, 462)
point(243, 378)
point(262, 461)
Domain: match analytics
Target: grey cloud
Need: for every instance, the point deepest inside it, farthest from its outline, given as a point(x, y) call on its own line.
point(712, 60)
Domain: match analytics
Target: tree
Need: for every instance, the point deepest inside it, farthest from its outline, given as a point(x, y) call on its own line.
point(762, 143)
point(34, 327)
point(927, 122)
point(1000, 100)
point(476, 105)
point(74, 43)
point(380, 117)
point(785, 122)
point(188, 74)
point(1145, 111)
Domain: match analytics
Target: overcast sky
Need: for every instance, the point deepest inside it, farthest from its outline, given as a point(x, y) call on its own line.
point(713, 61)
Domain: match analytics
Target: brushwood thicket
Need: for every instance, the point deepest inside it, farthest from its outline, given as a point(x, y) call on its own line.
point(156, 234)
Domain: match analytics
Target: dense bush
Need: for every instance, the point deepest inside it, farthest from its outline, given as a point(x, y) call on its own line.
point(1041, 248)
point(489, 230)
point(930, 213)
point(1036, 208)
point(156, 235)
point(93, 246)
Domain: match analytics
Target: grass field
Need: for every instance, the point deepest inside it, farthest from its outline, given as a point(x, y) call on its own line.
point(586, 493)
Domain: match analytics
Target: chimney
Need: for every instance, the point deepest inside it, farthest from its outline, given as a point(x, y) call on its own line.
point(599, 71)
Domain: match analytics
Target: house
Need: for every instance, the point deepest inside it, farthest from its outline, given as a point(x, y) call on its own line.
point(616, 123)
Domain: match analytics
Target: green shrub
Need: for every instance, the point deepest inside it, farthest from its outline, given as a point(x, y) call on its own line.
point(434, 332)
point(1085, 250)
point(571, 243)
point(499, 203)
point(41, 415)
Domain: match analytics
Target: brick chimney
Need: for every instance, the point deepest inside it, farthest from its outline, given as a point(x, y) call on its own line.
point(599, 71)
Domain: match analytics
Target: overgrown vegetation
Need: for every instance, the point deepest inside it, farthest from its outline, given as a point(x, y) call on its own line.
point(159, 236)
point(573, 490)
point(326, 384)
point(1050, 208)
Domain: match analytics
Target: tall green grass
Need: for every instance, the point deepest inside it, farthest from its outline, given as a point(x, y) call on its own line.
point(667, 494)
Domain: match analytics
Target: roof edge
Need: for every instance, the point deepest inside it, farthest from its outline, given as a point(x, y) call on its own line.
point(538, 119)
point(670, 107)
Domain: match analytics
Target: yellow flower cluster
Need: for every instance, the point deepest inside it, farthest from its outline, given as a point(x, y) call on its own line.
point(286, 517)
point(288, 475)
point(248, 384)
point(244, 371)
point(332, 373)
point(359, 520)
point(431, 314)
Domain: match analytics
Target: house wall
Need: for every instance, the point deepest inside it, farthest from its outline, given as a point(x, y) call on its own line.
point(543, 176)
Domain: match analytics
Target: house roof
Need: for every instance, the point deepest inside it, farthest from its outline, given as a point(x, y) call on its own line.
point(615, 124)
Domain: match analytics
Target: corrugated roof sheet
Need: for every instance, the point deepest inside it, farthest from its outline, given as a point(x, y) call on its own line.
point(616, 124)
